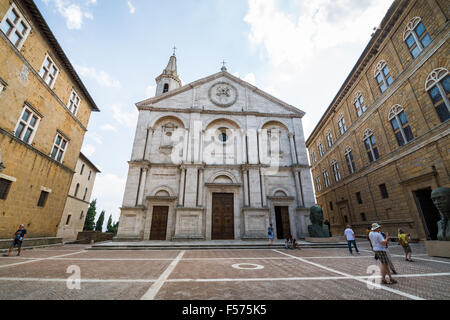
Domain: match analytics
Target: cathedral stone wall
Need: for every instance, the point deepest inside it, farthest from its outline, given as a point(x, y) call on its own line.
point(216, 139)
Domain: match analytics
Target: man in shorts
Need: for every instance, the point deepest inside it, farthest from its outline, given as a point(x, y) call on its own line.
point(379, 244)
point(403, 240)
point(18, 240)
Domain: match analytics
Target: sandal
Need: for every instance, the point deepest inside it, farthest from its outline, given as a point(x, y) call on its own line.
point(393, 281)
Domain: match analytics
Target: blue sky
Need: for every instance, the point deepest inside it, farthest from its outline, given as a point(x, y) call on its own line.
point(300, 51)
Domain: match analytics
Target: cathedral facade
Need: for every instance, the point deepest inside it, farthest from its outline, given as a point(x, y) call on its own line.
point(216, 159)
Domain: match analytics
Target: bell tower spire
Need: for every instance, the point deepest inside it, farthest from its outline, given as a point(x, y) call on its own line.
point(168, 80)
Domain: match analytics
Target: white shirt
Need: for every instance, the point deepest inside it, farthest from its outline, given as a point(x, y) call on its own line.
point(377, 238)
point(349, 234)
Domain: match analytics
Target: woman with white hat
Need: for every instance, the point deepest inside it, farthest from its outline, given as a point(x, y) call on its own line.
point(379, 244)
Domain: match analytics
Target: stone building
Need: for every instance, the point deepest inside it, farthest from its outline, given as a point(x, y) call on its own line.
point(78, 199)
point(383, 145)
point(45, 110)
point(216, 159)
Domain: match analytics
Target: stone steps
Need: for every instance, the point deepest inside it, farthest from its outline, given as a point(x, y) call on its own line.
point(207, 246)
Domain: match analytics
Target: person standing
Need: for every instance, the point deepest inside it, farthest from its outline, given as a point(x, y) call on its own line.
point(18, 240)
point(271, 234)
point(327, 223)
point(379, 244)
point(350, 236)
point(403, 240)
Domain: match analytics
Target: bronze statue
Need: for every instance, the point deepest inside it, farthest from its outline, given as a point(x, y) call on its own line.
point(441, 199)
point(317, 229)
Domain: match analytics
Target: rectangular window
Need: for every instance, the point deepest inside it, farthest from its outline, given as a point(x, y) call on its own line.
point(326, 178)
point(342, 126)
point(372, 150)
point(5, 185)
point(59, 148)
point(384, 192)
point(358, 197)
point(27, 125)
point(350, 162)
point(15, 27)
point(363, 216)
point(49, 71)
point(331, 206)
point(43, 199)
point(68, 219)
point(74, 102)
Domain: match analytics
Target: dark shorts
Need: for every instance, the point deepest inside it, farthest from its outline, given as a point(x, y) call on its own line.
point(407, 249)
point(382, 256)
point(17, 243)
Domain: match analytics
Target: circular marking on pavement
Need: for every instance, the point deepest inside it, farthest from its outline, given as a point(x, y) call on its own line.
point(247, 266)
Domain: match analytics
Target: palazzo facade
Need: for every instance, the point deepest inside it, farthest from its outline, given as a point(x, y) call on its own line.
point(216, 159)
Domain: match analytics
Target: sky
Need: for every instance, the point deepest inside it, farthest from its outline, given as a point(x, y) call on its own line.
point(300, 51)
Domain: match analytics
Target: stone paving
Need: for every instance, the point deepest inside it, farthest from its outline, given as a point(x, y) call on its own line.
point(307, 274)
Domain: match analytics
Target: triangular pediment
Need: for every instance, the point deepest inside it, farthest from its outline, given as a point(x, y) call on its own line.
point(203, 94)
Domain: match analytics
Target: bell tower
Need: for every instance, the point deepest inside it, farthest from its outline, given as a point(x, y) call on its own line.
point(168, 80)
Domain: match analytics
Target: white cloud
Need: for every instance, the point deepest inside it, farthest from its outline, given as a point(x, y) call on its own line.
point(150, 91)
point(131, 7)
point(102, 77)
point(108, 127)
point(318, 26)
point(92, 135)
point(125, 117)
point(88, 150)
point(73, 11)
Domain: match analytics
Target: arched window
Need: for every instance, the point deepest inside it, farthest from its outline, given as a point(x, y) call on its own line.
point(438, 86)
point(85, 194)
point(77, 187)
point(350, 160)
point(313, 156)
point(82, 169)
point(416, 36)
point(336, 173)
point(371, 146)
point(82, 215)
point(341, 124)
point(359, 104)
point(326, 178)
point(320, 147)
point(318, 185)
point(166, 88)
point(383, 76)
point(329, 138)
point(400, 125)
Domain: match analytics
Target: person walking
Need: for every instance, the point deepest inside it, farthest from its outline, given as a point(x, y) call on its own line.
point(403, 240)
point(350, 236)
point(271, 234)
point(18, 240)
point(391, 265)
point(379, 244)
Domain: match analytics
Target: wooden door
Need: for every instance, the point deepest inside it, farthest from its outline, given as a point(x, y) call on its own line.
point(222, 216)
point(283, 222)
point(159, 223)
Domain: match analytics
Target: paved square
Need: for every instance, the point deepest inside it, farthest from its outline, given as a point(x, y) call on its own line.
point(307, 274)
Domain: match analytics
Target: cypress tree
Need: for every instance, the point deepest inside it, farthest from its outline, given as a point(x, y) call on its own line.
point(89, 223)
point(109, 226)
point(99, 224)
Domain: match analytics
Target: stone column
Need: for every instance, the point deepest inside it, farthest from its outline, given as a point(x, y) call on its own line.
point(293, 153)
point(148, 146)
point(245, 174)
point(181, 189)
point(200, 187)
point(263, 189)
point(142, 187)
point(186, 146)
point(298, 188)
